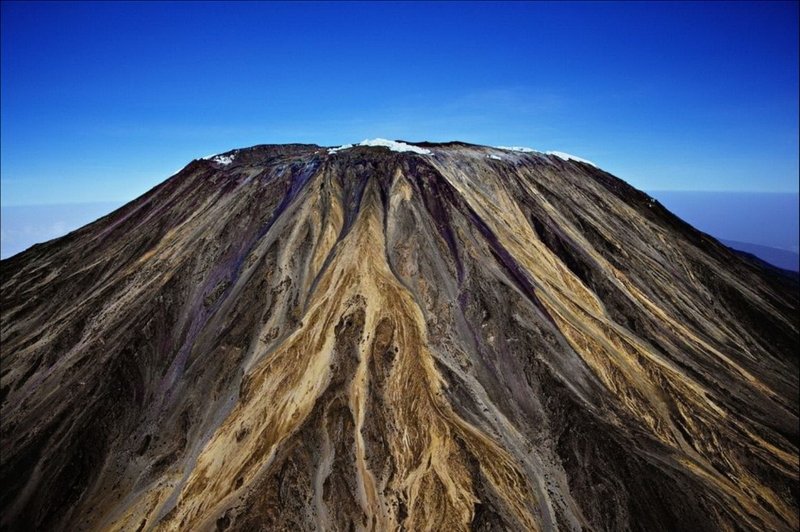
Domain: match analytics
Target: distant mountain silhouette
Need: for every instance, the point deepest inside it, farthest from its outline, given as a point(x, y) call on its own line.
point(788, 260)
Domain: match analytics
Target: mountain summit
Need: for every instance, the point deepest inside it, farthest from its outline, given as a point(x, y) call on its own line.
point(396, 336)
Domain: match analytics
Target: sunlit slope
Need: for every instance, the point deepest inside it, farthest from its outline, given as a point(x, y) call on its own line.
point(450, 338)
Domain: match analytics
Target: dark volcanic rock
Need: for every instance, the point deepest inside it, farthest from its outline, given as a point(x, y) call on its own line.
point(284, 337)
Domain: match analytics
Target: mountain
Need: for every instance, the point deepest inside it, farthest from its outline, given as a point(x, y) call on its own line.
point(782, 258)
point(383, 336)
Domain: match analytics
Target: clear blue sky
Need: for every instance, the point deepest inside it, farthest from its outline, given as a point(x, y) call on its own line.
point(102, 101)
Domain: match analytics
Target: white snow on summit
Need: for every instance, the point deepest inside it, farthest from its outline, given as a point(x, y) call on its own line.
point(224, 160)
point(559, 154)
point(523, 149)
point(391, 144)
point(568, 157)
point(340, 148)
point(394, 145)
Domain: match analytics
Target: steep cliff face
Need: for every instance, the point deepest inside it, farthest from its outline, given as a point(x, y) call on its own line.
point(455, 337)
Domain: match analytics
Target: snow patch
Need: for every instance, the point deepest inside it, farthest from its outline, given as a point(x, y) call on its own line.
point(394, 145)
point(340, 148)
point(559, 154)
point(522, 149)
point(495, 157)
point(220, 159)
point(568, 157)
point(391, 144)
point(224, 160)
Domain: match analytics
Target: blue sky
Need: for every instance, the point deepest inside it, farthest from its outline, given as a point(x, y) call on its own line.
point(102, 101)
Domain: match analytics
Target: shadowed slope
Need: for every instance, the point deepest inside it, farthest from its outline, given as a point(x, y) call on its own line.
point(369, 339)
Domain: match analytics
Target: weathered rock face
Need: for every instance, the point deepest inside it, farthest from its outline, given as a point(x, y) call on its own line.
point(287, 338)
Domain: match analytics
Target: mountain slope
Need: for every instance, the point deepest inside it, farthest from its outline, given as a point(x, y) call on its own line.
point(289, 337)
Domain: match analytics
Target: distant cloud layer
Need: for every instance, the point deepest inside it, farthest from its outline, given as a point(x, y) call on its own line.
point(25, 225)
